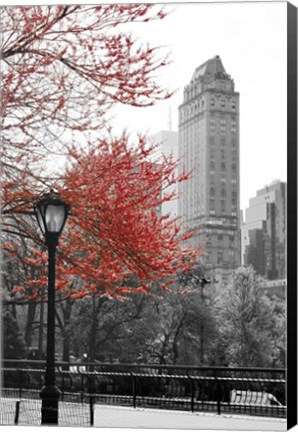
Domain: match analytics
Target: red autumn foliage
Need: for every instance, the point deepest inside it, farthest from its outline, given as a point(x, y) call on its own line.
point(63, 68)
point(117, 230)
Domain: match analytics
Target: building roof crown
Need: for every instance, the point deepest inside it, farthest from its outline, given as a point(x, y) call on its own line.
point(210, 69)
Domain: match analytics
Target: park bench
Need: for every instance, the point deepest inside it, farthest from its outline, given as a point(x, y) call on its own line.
point(248, 397)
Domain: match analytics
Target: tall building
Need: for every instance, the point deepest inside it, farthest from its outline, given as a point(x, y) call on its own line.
point(263, 235)
point(166, 143)
point(209, 147)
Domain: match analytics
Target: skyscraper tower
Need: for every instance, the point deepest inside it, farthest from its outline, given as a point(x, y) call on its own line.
point(209, 147)
point(264, 232)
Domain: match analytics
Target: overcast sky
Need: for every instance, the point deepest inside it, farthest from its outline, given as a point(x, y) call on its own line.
point(251, 41)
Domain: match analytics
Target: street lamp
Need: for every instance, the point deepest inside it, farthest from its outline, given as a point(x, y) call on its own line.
point(51, 213)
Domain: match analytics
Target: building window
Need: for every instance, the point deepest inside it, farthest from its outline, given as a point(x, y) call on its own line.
point(222, 127)
point(223, 103)
point(223, 206)
point(212, 192)
point(233, 105)
point(212, 103)
point(223, 166)
point(223, 193)
point(211, 141)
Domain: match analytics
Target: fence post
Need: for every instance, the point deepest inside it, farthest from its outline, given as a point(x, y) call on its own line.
point(21, 383)
point(82, 385)
point(192, 392)
point(91, 405)
point(134, 396)
point(218, 394)
point(63, 385)
point(17, 413)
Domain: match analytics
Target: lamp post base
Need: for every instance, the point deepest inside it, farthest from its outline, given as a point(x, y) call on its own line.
point(49, 408)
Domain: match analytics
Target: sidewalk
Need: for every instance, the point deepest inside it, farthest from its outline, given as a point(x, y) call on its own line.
point(77, 415)
point(126, 417)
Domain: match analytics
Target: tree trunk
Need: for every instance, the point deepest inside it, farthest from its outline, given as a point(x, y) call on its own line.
point(66, 334)
point(29, 329)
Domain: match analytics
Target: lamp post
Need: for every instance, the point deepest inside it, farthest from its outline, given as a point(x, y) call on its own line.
point(51, 213)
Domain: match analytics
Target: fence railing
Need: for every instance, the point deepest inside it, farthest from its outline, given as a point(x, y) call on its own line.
point(214, 389)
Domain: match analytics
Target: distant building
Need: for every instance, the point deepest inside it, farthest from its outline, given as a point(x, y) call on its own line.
point(209, 147)
point(263, 234)
point(167, 144)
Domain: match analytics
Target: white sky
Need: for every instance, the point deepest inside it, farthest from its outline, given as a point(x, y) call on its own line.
point(251, 41)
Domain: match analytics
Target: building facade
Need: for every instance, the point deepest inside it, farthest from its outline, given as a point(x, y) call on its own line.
point(166, 143)
point(209, 148)
point(263, 235)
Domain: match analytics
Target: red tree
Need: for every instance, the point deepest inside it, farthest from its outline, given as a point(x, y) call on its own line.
point(63, 68)
point(116, 232)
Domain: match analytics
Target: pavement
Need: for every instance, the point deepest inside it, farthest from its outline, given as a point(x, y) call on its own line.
point(76, 417)
point(107, 416)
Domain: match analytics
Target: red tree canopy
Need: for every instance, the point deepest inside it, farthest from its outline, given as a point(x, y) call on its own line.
point(62, 68)
point(116, 232)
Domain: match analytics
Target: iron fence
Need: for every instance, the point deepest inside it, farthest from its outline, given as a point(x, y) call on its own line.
point(213, 389)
